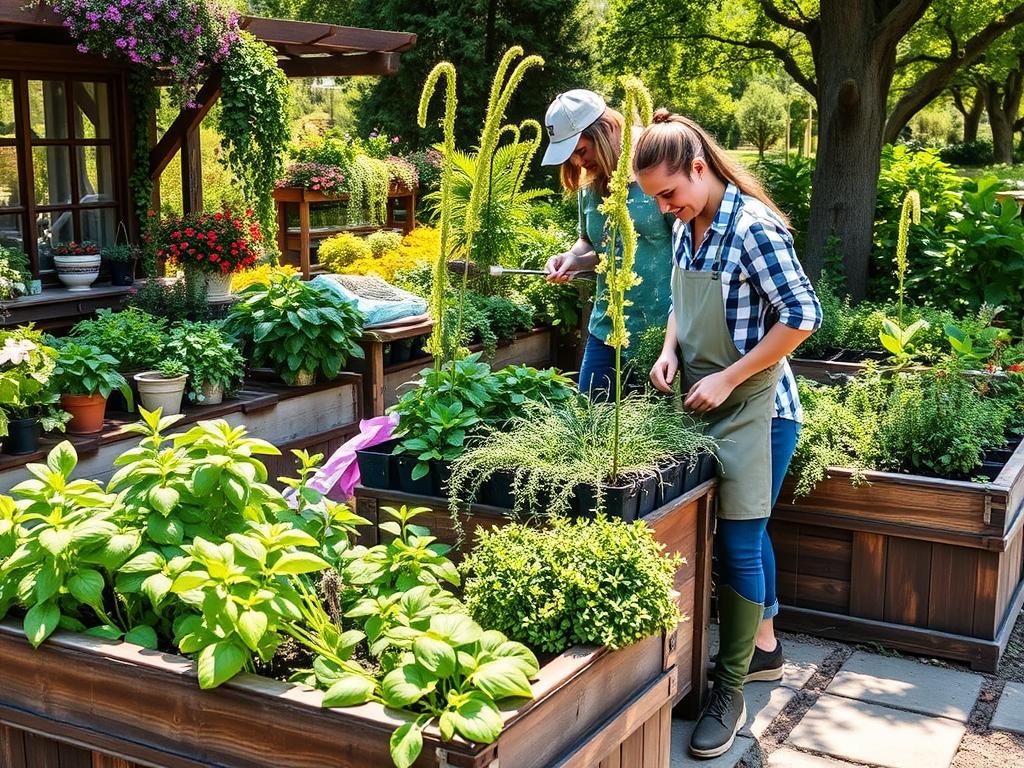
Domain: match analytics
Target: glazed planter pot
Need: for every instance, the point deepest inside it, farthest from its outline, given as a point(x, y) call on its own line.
point(213, 394)
point(122, 273)
point(218, 286)
point(157, 391)
point(87, 412)
point(22, 436)
point(78, 273)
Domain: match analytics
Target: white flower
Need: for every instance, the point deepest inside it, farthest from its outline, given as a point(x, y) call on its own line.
point(15, 352)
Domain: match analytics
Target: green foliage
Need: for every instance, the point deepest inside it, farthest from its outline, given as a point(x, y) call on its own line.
point(172, 368)
point(84, 369)
point(788, 181)
point(181, 299)
point(254, 125)
point(934, 422)
point(580, 582)
point(761, 115)
point(550, 449)
point(209, 355)
point(337, 252)
point(294, 326)
point(970, 153)
point(382, 242)
point(133, 337)
point(27, 364)
point(144, 100)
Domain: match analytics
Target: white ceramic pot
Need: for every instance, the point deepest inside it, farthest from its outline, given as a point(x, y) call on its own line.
point(156, 391)
point(218, 286)
point(78, 272)
point(213, 394)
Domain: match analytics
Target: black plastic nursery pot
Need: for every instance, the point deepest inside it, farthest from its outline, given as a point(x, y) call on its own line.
point(376, 465)
point(405, 463)
point(122, 273)
point(671, 483)
point(647, 501)
point(401, 350)
point(621, 501)
point(440, 476)
point(497, 489)
point(22, 436)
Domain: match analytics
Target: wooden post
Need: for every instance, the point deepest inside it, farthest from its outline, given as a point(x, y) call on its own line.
point(304, 238)
point(191, 172)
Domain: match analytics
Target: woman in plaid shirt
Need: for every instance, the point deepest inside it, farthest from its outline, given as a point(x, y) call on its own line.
point(740, 304)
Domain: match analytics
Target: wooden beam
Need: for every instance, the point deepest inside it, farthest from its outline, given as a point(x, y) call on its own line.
point(186, 122)
point(338, 66)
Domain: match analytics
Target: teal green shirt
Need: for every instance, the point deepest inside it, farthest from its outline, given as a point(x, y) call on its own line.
point(652, 298)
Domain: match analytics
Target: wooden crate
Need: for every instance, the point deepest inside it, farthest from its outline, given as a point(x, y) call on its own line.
point(81, 702)
point(917, 563)
point(684, 525)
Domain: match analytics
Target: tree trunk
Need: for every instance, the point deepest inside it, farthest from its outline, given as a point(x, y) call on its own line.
point(854, 61)
point(1002, 133)
point(972, 114)
point(1003, 103)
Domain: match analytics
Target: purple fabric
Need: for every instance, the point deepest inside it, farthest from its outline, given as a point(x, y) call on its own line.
point(339, 475)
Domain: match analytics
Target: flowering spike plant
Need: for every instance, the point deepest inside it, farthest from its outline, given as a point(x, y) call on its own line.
point(183, 37)
point(619, 268)
point(910, 212)
point(224, 242)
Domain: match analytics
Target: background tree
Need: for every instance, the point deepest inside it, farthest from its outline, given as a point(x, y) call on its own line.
point(761, 115)
point(844, 53)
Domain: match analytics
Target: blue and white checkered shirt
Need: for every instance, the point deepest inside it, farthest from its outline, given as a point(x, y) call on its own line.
point(759, 272)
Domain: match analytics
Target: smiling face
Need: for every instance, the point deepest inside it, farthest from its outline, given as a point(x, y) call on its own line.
point(683, 195)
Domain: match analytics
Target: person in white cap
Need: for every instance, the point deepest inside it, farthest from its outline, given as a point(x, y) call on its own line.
point(585, 137)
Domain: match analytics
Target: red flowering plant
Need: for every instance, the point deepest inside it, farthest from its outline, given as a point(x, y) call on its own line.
point(84, 248)
point(225, 241)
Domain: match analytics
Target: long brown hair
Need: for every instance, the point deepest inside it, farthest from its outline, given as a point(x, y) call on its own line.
point(677, 141)
point(606, 135)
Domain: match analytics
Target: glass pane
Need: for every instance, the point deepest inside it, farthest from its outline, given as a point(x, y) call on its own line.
point(10, 231)
point(96, 175)
point(92, 110)
point(48, 109)
point(98, 225)
point(6, 109)
point(52, 175)
point(55, 227)
point(10, 193)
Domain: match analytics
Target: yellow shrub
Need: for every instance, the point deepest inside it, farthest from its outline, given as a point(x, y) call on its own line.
point(260, 274)
point(337, 252)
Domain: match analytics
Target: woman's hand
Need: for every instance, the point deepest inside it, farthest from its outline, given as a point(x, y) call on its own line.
point(664, 371)
point(559, 268)
point(710, 392)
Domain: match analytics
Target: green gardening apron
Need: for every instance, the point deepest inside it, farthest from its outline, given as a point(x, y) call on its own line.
point(743, 423)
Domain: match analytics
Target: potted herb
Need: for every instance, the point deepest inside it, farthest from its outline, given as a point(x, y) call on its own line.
point(15, 277)
point(120, 259)
point(298, 329)
point(85, 376)
point(77, 264)
point(214, 362)
point(26, 400)
point(132, 336)
point(215, 245)
point(163, 388)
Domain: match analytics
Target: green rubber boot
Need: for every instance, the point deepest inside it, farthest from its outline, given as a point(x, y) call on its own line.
point(726, 712)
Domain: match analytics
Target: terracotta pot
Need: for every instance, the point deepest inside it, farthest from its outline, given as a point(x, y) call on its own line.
point(87, 412)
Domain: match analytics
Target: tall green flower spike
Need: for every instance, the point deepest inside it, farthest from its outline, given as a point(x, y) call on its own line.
point(911, 211)
point(440, 272)
point(620, 276)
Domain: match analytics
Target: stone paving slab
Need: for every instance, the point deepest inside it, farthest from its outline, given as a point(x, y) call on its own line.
point(680, 756)
point(907, 684)
point(791, 758)
point(764, 702)
point(869, 733)
point(1009, 714)
point(802, 659)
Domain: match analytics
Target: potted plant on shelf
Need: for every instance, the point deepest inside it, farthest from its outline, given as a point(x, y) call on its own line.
point(15, 276)
point(298, 329)
point(215, 245)
point(215, 365)
point(120, 259)
point(85, 376)
point(77, 264)
point(26, 400)
point(163, 388)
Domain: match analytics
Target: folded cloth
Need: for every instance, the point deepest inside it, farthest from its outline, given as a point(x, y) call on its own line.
point(339, 475)
point(378, 300)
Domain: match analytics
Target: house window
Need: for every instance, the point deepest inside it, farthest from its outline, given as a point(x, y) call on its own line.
point(58, 164)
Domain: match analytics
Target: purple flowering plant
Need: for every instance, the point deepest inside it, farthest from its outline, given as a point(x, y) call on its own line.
point(179, 37)
point(318, 177)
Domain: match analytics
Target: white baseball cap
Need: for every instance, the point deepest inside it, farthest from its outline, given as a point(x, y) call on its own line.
point(565, 120)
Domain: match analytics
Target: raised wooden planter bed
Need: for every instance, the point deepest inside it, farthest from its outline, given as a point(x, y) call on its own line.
point(922, 564)
point(314, 418)
point(81, 702)
point(838, 363)
point(683, 525)
point(383, 380)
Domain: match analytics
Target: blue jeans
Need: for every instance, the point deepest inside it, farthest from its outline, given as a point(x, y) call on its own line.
point(746, 560)
point(597, 371)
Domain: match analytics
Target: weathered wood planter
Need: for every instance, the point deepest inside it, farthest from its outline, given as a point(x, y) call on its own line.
point(81, 702)
point(317, 418)
point(383, 378)
point(683, 525)
point(825, 370)
point(921, 564)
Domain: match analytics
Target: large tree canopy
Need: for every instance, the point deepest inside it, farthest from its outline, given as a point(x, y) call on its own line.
point(847, 55)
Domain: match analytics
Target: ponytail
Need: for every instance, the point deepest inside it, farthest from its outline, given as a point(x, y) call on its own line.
point(676, 141)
